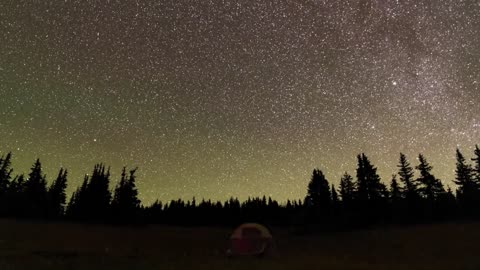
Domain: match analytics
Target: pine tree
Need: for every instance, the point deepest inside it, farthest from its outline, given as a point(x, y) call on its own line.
point(476, 168)
point(76, 207)
point(319, 197)
point(125, 203)
point(92, 199)
point(430, 187)
point(5, 178)
point(372, 194)
point(334, 195)
point(347, 189)
point(5, 173)
point(447, 204)
point(468, 189)
point(335, 201)
point(36, 192)
point(97, 195)
point(396, 192)
point(56, 194)
point(406, 174)
point(362, 184)
point(370, 187)
point(318, 193)
point(16, 197)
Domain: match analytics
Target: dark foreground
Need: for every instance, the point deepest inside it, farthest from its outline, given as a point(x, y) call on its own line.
point(69, 246)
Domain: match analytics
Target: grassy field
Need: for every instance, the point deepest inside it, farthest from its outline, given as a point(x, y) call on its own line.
point(69, 246)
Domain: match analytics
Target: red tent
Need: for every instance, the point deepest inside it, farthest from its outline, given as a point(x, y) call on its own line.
point(250, 239)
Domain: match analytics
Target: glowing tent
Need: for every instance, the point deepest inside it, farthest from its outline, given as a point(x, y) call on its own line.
point(250, 239)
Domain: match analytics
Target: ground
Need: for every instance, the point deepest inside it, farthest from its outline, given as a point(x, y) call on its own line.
point(32, 245)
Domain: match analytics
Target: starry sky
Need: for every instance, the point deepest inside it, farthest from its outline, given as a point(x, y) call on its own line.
point(220, 98)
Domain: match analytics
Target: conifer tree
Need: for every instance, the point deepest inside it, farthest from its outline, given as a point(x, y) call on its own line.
point(5, 173)
point(318, 193)
point(335, 201)
point(468, 189)
point(476, 168)
point(92, 199)
point(36, 191)
point(76, 207)
point(319, 198)
point(56, 194)
point(370, 187)
point(396, 193)
point(347, 189)
point(125, 203)
point(5, 178)
point(406, 174)
point(16, 197)
point(430, 187)
point(97, 196)
point(334, 195)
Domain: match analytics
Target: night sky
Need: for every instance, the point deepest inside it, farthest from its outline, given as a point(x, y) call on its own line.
point(214, 99)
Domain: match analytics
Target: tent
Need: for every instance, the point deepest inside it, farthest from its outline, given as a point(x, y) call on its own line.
point(250, 239)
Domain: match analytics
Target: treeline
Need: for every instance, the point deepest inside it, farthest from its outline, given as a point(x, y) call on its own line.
point(357, 201)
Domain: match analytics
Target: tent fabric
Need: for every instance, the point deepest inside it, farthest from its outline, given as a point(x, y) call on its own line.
point(250, 239)
point(247, 229)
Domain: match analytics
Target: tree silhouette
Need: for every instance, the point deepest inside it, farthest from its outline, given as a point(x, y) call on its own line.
point(318, 192)
point(335, 201)
point(16, 197)
point(467, 191)
point(334, 195)
point(5, 178)
point(406, 174)
point(396, 199)
point(92, 199)
point(430, 187)
point(370, 188)
point(56, 195)
point(372, 194)
point(396, 193)
point(476, 168)
point(97, 194)
point(347, 191)
point(36, 192)
point(319, 197)
point(364, 202)
point(125, 203)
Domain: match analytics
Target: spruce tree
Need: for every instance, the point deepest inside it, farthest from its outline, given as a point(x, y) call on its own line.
point(56, 194)
point(97, 196)
point(370, 187)
point(347, 189)
point(16, 197)
point(430, 187)
point(36, 192)
point(372, 194)
point(5, 178)
point(362, 182)
point(468, 189)
point(125, 203)
point(335, 201)
point(476, 168)
point(318, 199)
point(396, 192)
point(5, 173)
point(396, 198)
point(318, 193)
point(91, 201)
point(334, 195)
point(406, 174)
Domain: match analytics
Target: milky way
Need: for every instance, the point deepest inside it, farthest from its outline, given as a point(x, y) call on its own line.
point(235, 98)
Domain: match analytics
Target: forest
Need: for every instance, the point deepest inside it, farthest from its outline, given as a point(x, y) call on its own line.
point(363, 200)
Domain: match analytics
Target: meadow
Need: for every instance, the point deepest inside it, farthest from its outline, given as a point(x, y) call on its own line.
point(36, 245)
